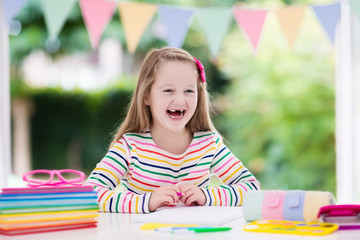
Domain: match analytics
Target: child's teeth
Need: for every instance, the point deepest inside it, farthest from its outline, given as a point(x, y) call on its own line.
point(181, 113)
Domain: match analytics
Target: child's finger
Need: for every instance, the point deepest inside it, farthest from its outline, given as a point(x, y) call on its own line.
point(177, 193)
point(173, 195)
point(168, 200)
point(190, 200)
point(185, 189)
point(186, 196)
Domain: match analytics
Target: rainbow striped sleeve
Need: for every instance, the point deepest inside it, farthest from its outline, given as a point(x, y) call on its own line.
point(236, 179)
point(107, 176)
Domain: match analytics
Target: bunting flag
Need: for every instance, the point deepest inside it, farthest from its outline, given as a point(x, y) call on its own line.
point(355, 7)
point(96, 14)
point(252, 22)
point(328, 16)
point(289, 20)
point(177, 22)
point(135, 18)
point(215, 23)
point(11, 8)
point(56, 13)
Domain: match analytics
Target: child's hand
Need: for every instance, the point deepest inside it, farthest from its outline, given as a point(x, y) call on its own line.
point(192, 195)
point(164, 196)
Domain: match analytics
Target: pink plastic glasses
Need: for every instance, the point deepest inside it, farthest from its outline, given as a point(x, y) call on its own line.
point(44, 177)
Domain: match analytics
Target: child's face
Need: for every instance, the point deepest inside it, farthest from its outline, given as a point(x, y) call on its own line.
point(173, 96)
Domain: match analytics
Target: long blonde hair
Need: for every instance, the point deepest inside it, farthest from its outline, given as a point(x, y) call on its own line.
point(138, 118)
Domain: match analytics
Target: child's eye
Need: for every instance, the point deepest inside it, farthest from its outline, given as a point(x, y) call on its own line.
point(189, 91)
point(168, 90)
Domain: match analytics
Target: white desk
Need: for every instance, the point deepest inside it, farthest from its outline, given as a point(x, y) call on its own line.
point(114, 226)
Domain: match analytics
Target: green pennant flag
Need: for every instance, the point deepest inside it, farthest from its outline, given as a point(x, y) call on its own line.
point(56, 13)
point(215, 23)
point(355, 7)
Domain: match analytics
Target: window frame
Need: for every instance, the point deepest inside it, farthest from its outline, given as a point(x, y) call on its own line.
point(5, 126)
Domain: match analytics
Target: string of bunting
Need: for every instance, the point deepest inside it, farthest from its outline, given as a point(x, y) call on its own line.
point(215, 22)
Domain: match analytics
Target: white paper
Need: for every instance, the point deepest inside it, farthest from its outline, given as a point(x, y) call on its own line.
point(202, 215)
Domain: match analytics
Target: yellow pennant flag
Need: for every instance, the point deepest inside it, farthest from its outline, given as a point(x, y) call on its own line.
point(135, 18)
point(289, 20)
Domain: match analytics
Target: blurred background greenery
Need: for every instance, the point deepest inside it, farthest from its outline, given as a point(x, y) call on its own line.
point(274, 108)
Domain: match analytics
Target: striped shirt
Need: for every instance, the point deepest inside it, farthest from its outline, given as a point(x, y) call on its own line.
point(137, 163)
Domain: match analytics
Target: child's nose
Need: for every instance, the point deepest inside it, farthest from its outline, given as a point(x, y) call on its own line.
point(179, 99)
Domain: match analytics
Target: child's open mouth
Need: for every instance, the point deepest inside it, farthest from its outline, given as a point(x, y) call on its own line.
point(176, 113)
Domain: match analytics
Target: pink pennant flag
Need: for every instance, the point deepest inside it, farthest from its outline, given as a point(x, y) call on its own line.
point(96, 14)
point(252, 22)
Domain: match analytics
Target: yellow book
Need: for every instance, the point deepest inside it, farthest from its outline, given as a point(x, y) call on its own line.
point(47, 216)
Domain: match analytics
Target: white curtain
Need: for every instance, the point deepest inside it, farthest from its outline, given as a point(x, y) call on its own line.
point(5, 152)
point(355, 49)
point(347, 107)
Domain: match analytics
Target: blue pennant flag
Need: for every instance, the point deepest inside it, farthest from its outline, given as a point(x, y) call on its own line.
point(328, 16)
point(177, 23)
point(11, 8)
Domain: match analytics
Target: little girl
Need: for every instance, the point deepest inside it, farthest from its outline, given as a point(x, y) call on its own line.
point(167, 148)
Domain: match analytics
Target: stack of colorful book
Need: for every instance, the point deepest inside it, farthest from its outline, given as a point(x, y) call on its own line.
point(41, 209)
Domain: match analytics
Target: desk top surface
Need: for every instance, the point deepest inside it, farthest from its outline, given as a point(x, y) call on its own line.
point(122, 226)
